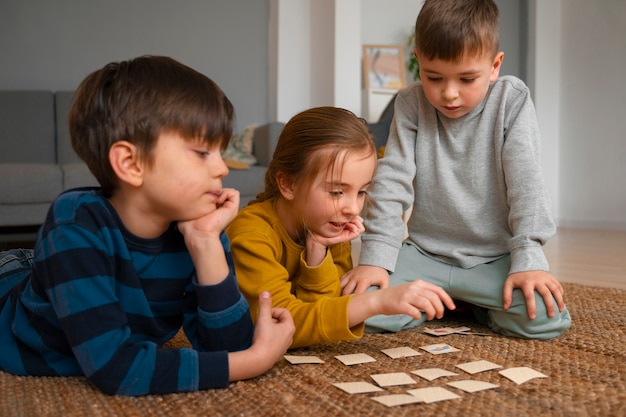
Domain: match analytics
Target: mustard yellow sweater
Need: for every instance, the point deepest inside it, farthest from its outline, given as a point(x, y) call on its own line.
point(267, 259)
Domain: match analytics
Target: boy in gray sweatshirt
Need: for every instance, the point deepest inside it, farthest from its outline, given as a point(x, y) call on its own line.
point(463, 154)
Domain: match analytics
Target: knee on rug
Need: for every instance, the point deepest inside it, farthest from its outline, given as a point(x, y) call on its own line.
point(515, 322)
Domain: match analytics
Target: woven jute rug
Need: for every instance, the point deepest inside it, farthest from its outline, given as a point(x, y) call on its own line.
point(586, 369)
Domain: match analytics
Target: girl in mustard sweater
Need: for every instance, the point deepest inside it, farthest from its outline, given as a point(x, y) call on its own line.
point(294, 239)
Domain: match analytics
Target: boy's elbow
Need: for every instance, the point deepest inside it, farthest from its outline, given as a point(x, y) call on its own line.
point(110, 385)
point(106, 386)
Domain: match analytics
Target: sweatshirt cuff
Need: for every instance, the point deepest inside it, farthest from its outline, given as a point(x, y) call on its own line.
point(214, 370)
point(377, 253)
point(528, 258)
point(218, 297)
point(310, 278)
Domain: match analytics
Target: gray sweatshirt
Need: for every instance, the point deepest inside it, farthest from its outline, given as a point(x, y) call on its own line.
point(474, 184)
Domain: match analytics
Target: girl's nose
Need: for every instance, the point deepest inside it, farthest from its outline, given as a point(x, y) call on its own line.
point(352, 205)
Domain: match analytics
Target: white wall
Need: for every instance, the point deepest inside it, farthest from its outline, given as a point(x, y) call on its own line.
point(593, 114)
point(579, 57)
point(314, 55)
point(289, 58)
point(543, 79)
point(54, 44)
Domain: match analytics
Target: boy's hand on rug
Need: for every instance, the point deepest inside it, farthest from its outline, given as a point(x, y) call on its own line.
point(530, 281)
point(274, 327)
point(360, 278)
point(273, 334)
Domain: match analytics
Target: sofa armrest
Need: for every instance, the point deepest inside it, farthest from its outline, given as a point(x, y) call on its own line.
point(264, 141)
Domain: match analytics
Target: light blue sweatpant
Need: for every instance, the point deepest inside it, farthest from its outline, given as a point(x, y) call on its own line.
point(15, 264)
point(481, 286)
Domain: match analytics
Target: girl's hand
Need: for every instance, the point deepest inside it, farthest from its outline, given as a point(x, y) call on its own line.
point(316, 244)
point(414, 299)
point(351, 230)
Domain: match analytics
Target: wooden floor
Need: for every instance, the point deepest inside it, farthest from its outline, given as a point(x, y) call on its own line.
point(590, 257)
point(583, 256)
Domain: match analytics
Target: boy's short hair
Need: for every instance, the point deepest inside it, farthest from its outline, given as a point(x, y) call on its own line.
point(452, 29)
point(136, 101)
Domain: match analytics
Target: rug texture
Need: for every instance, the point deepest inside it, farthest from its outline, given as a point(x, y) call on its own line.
point(585, 369)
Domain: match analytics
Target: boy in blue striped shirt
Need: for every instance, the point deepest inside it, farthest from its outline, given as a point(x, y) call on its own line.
point(117, 270)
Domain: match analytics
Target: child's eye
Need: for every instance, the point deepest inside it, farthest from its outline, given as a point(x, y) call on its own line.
point(363, 192)
point(202, 154)
point(468, 80)
point(434, 79)
point(336, 193)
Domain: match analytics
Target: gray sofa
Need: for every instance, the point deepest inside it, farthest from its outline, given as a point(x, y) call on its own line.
point(37, 161)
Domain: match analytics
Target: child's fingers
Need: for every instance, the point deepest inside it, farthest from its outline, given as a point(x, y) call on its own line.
point(363, 285)
point(531, 305)
point(284, 327)
point(281, 315)
point(445, 298)
point(438, 305)
point(437, 294)
point(347, 286)
point(550, 294)
point(229, 194)
point(428, 303)
point(507, 294)
point(558, 293)
point(265, 306)
point(423, 296)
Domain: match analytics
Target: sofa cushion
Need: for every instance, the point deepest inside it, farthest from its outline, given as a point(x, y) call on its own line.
point(30, 183)
point(27, 127)
point(264, 141)
point(20, 215)
point(238, 154)
point(249, 182)
point(65, 152)
point(77, 175)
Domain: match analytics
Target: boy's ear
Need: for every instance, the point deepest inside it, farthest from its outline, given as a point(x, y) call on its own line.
point(285, 185)
point(125, 162)
point(496, 65)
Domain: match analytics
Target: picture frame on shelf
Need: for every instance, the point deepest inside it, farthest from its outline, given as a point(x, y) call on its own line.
point(383, 67)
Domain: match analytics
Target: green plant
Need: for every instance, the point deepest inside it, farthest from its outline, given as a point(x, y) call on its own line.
point(412, 64)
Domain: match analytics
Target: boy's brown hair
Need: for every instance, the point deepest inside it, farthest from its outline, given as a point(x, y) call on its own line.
point(136, 101)
point(453, 29)
point(312, 141)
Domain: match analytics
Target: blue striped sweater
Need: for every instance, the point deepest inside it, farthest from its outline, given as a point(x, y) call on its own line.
point(101, 302)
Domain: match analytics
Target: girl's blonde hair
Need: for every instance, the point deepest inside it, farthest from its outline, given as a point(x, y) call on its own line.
point(312, 141)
